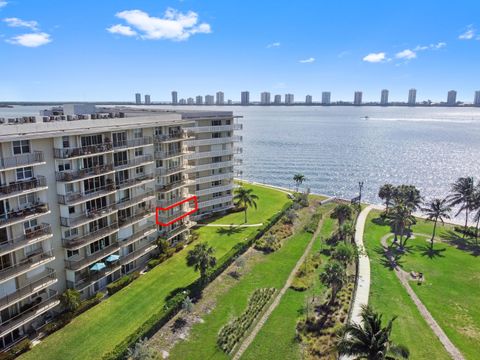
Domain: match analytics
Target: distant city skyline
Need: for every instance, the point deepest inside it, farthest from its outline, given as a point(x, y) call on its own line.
point(225, 45)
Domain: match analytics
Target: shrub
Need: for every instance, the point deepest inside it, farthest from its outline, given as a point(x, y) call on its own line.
point(230, 334)
point(290, 216)
point(470, 231)
point(268, 243)
point(16, 350)
point(119, 284)
point(301, 199)
point(142, 351)
point(70, 300)
point(312, 224)
point(87, 304)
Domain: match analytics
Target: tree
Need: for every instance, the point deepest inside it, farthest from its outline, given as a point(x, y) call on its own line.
point(70, 300)
point(344, 254)
point(334, 276)
point(142, 351)
point(386, 194)
point(245, 198)
point(299, 179)
point(476, 208)
point(409, 196)
point(346, 231)
point(370, 340)
point(399, 218)
point(437, 209)
point(187, 305)
point(201, 258)
point(341, 212)
point(463, 191)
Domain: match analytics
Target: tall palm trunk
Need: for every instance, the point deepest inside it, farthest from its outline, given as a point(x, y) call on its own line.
point(476, 230)
point(245, 212)
point(433, 234)
point(466, 222)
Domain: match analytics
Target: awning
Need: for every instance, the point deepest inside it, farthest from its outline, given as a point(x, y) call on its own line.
point(112, 258)
point(98, 266)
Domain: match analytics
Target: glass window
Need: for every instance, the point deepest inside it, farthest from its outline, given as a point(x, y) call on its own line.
point(137, 133)
point(216, 122)
point(138, 151)
point(24, 173)
point(71, 253)
point(21, 147)
point(26, 200)
point(64, 166)
point(66, 141)
point(91, 140)
point(30, 224)
point(216, 135)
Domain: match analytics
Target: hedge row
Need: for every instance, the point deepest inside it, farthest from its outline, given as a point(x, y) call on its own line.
point(174, 302)
point(231, 334)
point(119, 284)
point(16, 350)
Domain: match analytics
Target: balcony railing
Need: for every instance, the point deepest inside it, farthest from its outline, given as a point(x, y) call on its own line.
point(26, 264)
point(42, 281)
point(168, 202)
point(215, 189)
point(172, 170)
point(144, 250)
point(168, 234)
point(213, 141)
point(15, 188)
point(38, 233)
point(69, 153)
point(34, 158)
point(138, 216)
point(172, 185)
point(89, 278)
point(88, 216)
point(84, 173)
point(79, 241)
point(138, 180)
point(209, 154)
point(124, 203)
point(203, 129)
point(125, 144)
point(80, 263)
point(78, 197)
point(19, 215)
point(163, 154)
point(219, 200)
point(205, 179)
point(31, 313)
point(138, 161)
point(142, 232)
point(180, 135)
point(211, 166)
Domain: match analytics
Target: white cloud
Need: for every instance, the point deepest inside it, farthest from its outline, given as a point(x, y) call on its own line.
point(3, 3)
point(406, 54)
point(375, 57)
point(174, 25)
point(468, 34)
point(122, 30)
point(307, 61)
point(30, 40)
point(273, 45)
point(436, 46)
point(16, 22)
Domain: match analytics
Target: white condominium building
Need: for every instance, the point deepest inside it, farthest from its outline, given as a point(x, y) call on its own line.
point(80, 191)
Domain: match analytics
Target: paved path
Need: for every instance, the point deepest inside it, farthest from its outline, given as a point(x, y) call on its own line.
point(230, 225)
point(249, 339)
point(404, 277)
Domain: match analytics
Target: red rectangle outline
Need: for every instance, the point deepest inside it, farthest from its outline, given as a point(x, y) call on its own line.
point(194, 198)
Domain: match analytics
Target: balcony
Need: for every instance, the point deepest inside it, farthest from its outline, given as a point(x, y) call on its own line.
point(20, 215)
point(172, 186)
point(36, 310)
point(16, 188)
point(209, 154)
point(169, 234)
point(77, 263)
point(100, 170)
point(144, 250)
point(25, 265)
point(172, 170)
point(35, 158)
point(211, 166)
point(88, 216)
point(38, 233)
point(144, 231)
point(79, 197)
point(139, 215)
point(133, 143)
point(215, 189)
point(124, 203)
point(168, 216)
point(136, 181)
point(42, 281)
point(138, 161)
point(216, 201)
point(214, 141)
point(168, 202)
point(90, 278)
point(79, 241)
point(165, 154)
point(204, 129)
point(206, 179)
point(71, 153)
point(174, 136)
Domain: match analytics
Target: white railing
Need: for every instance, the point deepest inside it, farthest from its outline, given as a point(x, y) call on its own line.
point(220, 200)
point(203, 129)
point(214, 141)
point(215, 189)
point(211, 166)
point(205, 179)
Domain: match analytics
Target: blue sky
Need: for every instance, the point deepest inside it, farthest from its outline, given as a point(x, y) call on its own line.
point(107, 50)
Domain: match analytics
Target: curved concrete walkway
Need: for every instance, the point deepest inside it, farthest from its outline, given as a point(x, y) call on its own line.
point(404, 277)
point(258, 326)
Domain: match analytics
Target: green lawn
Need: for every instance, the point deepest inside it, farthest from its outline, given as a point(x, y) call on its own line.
point(451, 290)
point(100, 329)
point(276, 339)
point(271, 271)
point(389, 297)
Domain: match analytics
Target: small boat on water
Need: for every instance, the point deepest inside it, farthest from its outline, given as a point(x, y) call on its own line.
point(366, 117)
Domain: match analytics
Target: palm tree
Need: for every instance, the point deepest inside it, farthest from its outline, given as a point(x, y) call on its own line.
point(299, 179)
point(70, 300)
point(399, 219)
point(201, 258)
point(343, 253)
point(245, 198)
point(476, 207)
point(342, 213)
point(347, 231)
point(370, 340)
point(463, 191)
point(334, 276)
point(386, 194)
point(437, 209)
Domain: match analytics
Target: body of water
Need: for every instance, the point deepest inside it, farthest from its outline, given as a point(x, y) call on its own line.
point(335, 148)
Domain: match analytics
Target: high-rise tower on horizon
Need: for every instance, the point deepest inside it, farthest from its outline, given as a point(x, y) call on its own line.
point(265, 98)
point(451, 98)
point(476, 99)
point(277, 100)
point(412, 97)
point(174, 98)
point(138, 98)
point(245, 98)
point(357, 98)
point(384, 97)
point(220, 98)
point(147, 100)
point(326, 97)
point(289, 99)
